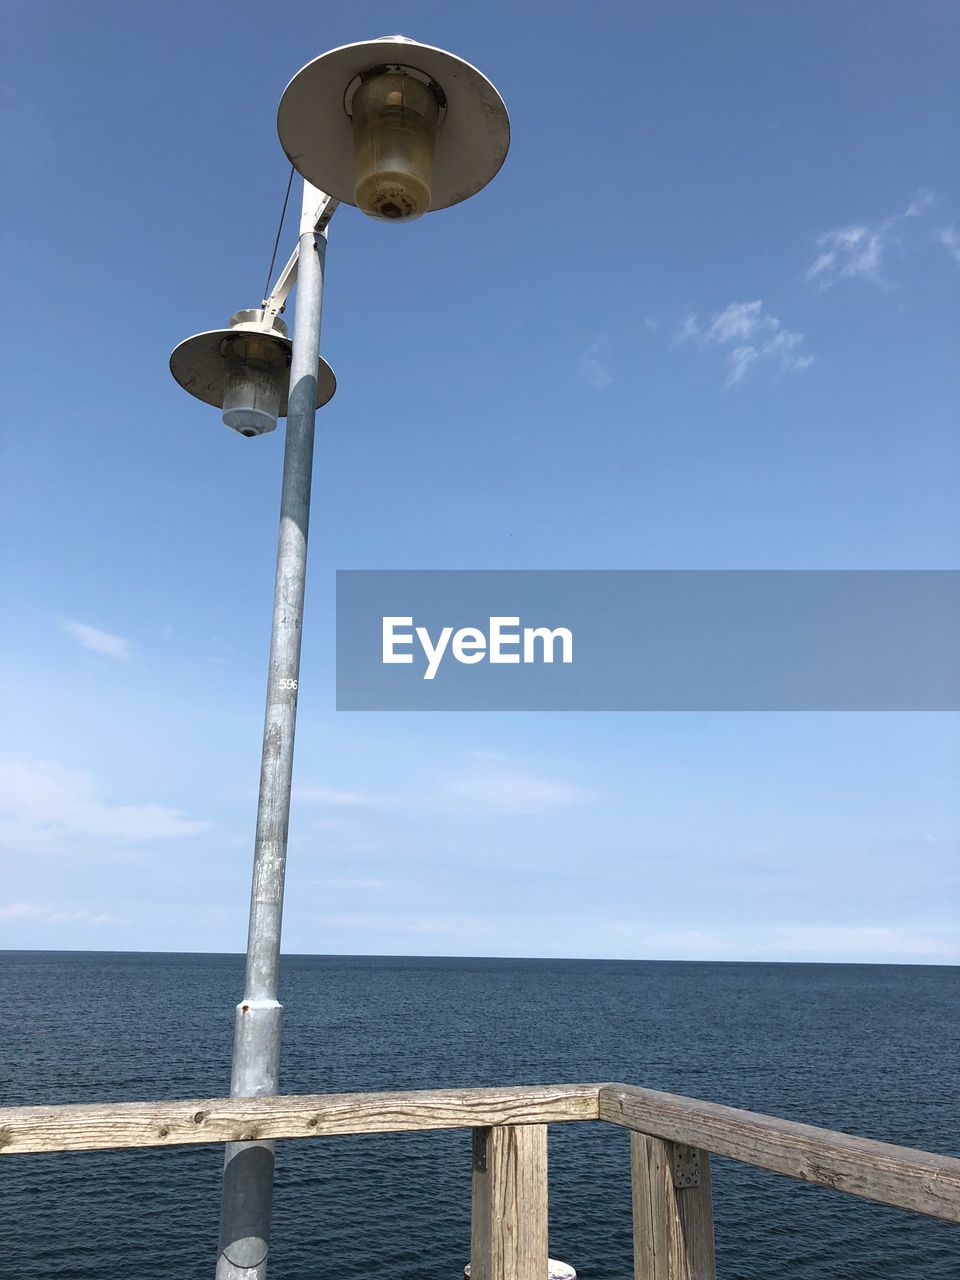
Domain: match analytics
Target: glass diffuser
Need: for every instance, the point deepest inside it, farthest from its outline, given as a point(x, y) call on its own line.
point(395, 118)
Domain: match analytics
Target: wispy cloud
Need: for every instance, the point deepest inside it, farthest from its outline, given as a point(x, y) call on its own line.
point(856, 941)
point(595, 363)
point(48, 807)
point(949, 237)
point(486, 785)
point(805, 942)
point(355, 884)
point(639, 936)
point(331, 797)
point(857, 251)
point(750, 336)
point(50, 915)
point(96, 640)
point(402, 922)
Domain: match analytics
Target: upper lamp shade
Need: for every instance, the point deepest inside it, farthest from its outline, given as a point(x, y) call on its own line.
point(245, 371)
point(394, 127)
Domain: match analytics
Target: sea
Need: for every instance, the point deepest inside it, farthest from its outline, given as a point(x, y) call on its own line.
point(868, 1049)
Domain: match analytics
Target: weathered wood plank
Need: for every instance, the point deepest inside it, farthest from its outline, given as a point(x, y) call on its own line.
point(508, 1237)
point(915, 1180)
point(102, 1126)
point(672, 1224)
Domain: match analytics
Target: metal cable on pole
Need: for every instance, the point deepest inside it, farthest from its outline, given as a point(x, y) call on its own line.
point(276, 243)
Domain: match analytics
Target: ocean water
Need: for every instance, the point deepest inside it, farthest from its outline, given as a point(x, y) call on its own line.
point(873, 1050)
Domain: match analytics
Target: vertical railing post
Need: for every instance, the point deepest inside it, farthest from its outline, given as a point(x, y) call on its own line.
point(672, 1211)
point(508, 1238)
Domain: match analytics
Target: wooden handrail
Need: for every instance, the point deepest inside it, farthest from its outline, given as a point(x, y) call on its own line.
point(915, 1180)
point(894, 1175)
point(106, 1126)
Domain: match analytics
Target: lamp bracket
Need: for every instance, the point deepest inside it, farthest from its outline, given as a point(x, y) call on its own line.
point(316, 217)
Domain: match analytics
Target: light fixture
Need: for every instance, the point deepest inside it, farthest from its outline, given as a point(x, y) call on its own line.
point(394, 127)
point(245, 370)
point(395, 115)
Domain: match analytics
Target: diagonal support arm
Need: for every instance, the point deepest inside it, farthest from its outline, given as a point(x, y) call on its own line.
point(313, 219)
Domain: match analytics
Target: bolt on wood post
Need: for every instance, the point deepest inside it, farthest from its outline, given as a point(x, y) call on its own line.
point(672, 1211)
point(508, 1238)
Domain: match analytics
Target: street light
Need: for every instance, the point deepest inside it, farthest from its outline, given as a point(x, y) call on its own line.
point(394, 127)
point(397, 129)
point(245, 370)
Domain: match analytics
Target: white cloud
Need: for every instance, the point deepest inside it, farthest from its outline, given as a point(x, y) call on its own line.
point(48, 915)
point(857, 251)
point(876, 944)
point(17, 911)
point(949, 237)
point(752, 336)
point(856, 941)
point(358, 884)
point(489, 787)
point(488, 784)
point(920, 203)
point(96, 640)
point(330, 796)
point(399, 922)
point(740, 320)
point(595, 363)
point(838, 943)
point(46, 806)
point(572, 935)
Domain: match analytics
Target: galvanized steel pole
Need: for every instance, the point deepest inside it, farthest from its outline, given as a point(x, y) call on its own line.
point(248, 1168)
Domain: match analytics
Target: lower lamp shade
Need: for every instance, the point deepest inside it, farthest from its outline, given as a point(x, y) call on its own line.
point(245, 372)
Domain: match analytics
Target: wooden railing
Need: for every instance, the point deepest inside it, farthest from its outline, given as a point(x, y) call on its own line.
point(671, 1138)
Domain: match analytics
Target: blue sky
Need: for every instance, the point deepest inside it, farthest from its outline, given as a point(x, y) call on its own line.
point(705, 317)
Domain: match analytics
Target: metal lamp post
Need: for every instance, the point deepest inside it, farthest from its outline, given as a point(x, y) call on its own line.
point(397, 129)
